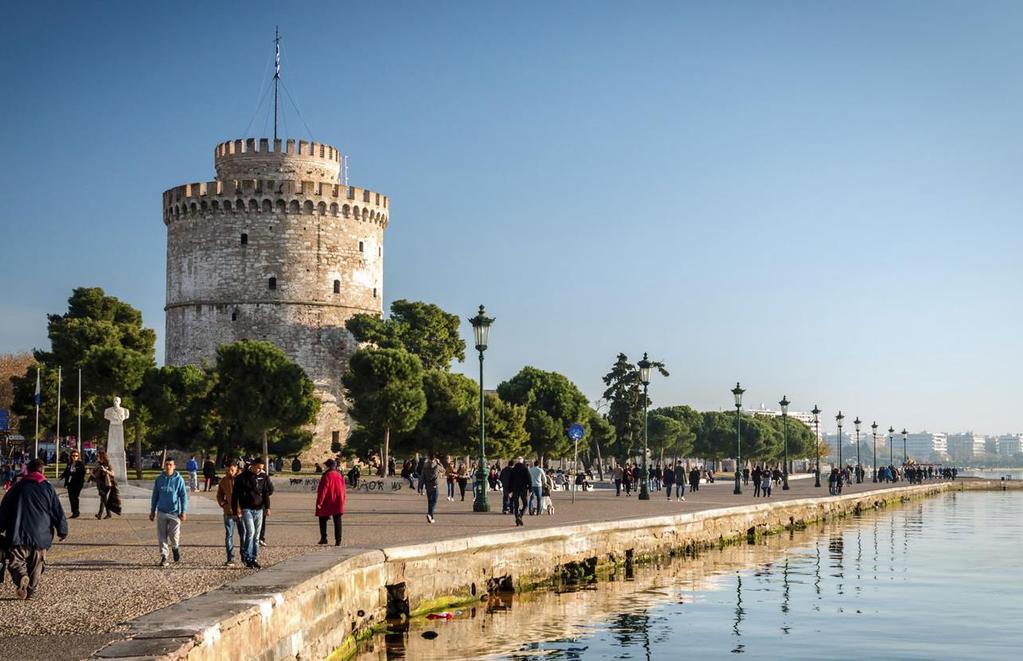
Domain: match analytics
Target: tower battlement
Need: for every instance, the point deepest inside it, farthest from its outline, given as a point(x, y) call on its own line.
point(268, 196)
point(263, 158)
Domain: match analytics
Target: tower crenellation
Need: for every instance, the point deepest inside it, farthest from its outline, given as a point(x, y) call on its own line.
point(276, 249)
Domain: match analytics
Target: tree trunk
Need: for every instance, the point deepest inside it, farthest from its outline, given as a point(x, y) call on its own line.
point(138, 453)
point(600, 461)
point(387, 451)
point(266, 453)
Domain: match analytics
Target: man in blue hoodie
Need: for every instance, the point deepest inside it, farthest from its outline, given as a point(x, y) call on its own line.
point(169, 508)
point(29, 514)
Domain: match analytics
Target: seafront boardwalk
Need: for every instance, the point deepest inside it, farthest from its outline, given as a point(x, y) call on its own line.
point(106, 573)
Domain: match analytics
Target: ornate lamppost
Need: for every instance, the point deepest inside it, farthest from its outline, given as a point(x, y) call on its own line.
point(644, 378)
point(481, 330)
point(891, 445)
point(737, 392)
point(905, 455)
point(817, 443)
point(859, 477)
point(840, 418)
point(873, 427)
point(784, 404)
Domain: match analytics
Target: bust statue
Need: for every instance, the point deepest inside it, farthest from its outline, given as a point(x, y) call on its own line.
point(117, 414)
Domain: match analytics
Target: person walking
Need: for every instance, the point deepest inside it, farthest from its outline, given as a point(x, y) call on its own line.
point(209, 473)
point(668, 479)
point(250, 497)
point(758, 476)
point(694, 480)
point(428, 477)
point(765, 483)
point(330, 501)
point(462, 479)
point(536, 480)
point(506, 491)
point(106, 485)
point(618, 476)
point(450, 479)
point(169, 508)
point(30, 513)
point(231, 517)
point(266, 508)
point(192, 466)
point(74, 480)
point(519, 483)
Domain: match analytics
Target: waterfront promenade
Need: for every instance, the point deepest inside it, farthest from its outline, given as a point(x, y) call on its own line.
point(106, 573)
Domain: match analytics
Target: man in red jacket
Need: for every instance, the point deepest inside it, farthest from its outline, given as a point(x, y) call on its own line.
point(330, 501)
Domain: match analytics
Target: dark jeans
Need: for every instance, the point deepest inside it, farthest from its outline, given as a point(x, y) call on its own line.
point(431, 500)
point(520, 500)
point(506, 501)
point(337, 528)
point(262, 527)
point(73, 494)
point(103, 495)
point(667, 487)
point(26, 561)
point(618, 487)
point(461, 486)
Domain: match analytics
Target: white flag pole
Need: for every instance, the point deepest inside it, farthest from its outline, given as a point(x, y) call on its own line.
point(36, 454)
point(78, 433)
point(56, 444)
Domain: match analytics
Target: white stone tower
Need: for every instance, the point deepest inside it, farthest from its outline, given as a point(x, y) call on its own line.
point(275, 249)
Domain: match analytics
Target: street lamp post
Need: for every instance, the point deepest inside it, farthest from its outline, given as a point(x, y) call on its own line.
point(784, 404)
point(817, 443)
point(644, 378)
point(891, 444)
point(859, 477)
point(905, 455)
point(737, 391)
point(873, 427)
point(840, 418)
point(481, 330)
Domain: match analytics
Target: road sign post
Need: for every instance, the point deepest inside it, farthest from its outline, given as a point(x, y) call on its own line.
point(575, 432)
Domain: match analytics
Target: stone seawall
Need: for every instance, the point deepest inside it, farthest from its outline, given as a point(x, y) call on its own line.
point(315, 606)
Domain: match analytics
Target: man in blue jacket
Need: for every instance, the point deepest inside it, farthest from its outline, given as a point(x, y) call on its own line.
point(29, 514)
point(169, 508)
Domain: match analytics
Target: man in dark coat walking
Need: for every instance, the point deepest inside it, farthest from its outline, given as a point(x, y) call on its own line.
point(74, 480)
point(520, 485)
point(29, 514)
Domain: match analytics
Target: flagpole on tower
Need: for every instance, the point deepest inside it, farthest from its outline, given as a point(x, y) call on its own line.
point(277, 72)
point(36, 454)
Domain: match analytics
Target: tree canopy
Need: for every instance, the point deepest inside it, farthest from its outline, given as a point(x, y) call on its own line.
point(422, 329)
point(103, 337)
point(261, 392)
point(385, 388)
point(553, 403)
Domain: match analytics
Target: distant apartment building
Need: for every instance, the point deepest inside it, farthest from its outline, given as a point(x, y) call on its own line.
point(967, 446)
point(803, 416)
point(925, 446)
point(1010, 444)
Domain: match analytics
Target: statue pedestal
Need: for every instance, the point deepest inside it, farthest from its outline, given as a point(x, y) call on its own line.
point(115, 452)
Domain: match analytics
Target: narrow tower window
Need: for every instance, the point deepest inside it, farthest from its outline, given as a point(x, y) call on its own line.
point(362, 247)
point(337, 286)
point(272, 284)
point(374, 292)
point(234, 315)
point(245, 239)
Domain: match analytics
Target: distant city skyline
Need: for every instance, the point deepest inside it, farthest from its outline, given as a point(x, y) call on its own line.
point(819, 201)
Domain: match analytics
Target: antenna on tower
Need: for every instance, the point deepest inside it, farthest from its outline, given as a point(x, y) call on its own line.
point(277, 72)
point(344, 169)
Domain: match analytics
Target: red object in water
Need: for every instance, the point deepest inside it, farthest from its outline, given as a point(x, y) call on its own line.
point(440, 616)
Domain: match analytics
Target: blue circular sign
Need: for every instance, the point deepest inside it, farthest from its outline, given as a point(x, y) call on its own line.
point(576, 431)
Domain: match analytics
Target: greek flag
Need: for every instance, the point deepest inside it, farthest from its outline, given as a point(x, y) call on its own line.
point(38, 398)
point(277, 56)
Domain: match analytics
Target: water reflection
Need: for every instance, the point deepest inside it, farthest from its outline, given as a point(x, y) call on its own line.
point(736, 600)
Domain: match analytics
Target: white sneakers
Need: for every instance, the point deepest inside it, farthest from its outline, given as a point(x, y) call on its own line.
point(429, 519)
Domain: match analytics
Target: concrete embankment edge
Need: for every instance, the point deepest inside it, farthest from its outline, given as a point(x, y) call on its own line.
point(317, 605)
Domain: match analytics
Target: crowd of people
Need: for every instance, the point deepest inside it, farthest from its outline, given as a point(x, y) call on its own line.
point(31, 514)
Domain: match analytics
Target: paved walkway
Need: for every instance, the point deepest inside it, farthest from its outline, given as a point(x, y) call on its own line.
point(106, 572)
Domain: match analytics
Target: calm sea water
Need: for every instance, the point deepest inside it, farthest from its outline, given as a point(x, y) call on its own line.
point(935, 579)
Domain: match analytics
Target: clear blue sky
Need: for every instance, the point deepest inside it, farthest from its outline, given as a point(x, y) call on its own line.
point(821, 200)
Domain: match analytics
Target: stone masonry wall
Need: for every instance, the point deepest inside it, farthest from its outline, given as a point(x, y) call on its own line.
point(265, 257)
